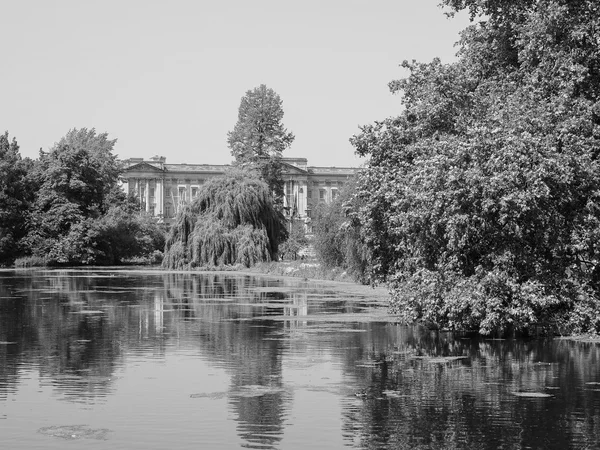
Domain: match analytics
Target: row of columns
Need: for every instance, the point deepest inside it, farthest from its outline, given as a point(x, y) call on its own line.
point(146, 184)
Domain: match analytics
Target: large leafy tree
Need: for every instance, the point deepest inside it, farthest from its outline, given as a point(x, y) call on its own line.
point(77, 179)
point(259, 137)
point(15, 198)
point(481, 198)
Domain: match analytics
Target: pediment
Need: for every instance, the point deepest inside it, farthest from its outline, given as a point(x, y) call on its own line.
point(142, 167)
point(290, 169)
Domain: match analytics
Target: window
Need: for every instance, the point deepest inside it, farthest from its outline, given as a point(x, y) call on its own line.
point(308, 193)
point(151, 192)
point(322, 193)
point(181, 194)
point(168, 211)
point(152, 210)
point(194, 192)
point(334, 194)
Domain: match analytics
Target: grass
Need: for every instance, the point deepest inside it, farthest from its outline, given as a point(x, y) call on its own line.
point(309, 269)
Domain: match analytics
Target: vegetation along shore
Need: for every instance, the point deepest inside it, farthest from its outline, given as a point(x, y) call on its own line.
point(478, 206)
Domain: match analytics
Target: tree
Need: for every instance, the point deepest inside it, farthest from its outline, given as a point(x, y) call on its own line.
point(80, 215)
point(480, 199)
point(15, 198)
point(337, 239)
point(296, 240)
point(259, 137)
point(232, 221)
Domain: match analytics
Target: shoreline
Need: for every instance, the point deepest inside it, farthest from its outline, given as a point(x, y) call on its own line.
point(379, 294)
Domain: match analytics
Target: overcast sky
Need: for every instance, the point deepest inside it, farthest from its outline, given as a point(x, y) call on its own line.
point(166, 77)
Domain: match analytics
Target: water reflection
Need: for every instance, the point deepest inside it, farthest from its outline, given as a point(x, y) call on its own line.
point(219, 350)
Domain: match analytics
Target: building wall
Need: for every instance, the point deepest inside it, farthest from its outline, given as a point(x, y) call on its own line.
point(162, 188)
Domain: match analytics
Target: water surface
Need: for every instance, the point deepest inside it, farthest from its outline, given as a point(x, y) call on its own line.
point(149, 360)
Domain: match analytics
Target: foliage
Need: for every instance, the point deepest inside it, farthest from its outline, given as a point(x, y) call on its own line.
point(337, 239)
point(15, 196)
point(296, 240)
point(25, 262)
point(231, 221)
point(481, 198)
point(80, 215)
point(122, 235)
point(259, 137)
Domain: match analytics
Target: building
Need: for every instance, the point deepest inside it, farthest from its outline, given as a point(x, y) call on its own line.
point(162, 188)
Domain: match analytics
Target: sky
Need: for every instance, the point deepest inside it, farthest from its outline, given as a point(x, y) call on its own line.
point(166, 77)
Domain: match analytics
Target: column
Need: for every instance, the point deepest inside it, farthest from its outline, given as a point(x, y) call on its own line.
point(159, 198)
point(147, 195)
point(302, 198)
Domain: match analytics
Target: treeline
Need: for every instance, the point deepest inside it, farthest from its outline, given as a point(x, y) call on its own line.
point(480, 203)
point(67, 208)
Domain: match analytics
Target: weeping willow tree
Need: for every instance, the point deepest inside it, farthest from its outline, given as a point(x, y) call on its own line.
point(231, 221)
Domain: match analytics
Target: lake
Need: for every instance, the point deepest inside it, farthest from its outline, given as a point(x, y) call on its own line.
point(126, 359)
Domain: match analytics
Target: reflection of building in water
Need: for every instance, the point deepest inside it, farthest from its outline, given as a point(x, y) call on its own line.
point(162, 188)
point(299, 304)
point(158, 311)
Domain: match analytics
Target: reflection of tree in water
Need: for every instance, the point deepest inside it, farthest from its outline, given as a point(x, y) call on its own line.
point(75, 328)
point(405, 396)
point(414, 396)
point(73, 351)
point(257, 393)
point(243, 347)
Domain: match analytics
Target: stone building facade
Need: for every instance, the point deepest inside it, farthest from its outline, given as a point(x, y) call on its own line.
point(162, 188)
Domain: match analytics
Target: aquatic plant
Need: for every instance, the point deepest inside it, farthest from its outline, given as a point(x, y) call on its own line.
point(231, 221)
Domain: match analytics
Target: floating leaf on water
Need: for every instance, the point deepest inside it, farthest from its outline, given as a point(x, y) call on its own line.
point(394, 394)
point(75, 432)
point(593, 383)
point(254, 390)
point(211, 395)
point(369, 363)
point(439, 359)
point(88, 311)
point(445, 359)
point(531, 394)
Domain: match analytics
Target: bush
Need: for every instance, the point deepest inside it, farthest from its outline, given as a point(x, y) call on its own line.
point(31, 261)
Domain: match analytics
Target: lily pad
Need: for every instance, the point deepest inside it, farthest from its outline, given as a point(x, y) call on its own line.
point(75, 432)
point(393, 394)
point(253, 390)
point(445, 359)
point(211, 395)
point(439, 359)
point(531, 394)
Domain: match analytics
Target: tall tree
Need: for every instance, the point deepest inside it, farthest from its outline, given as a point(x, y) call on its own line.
point(76, 179)
point(15, 198)
point(259, 137)
point(481, 198)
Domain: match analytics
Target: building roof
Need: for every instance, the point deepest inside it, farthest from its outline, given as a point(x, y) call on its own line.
point(291, 165)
